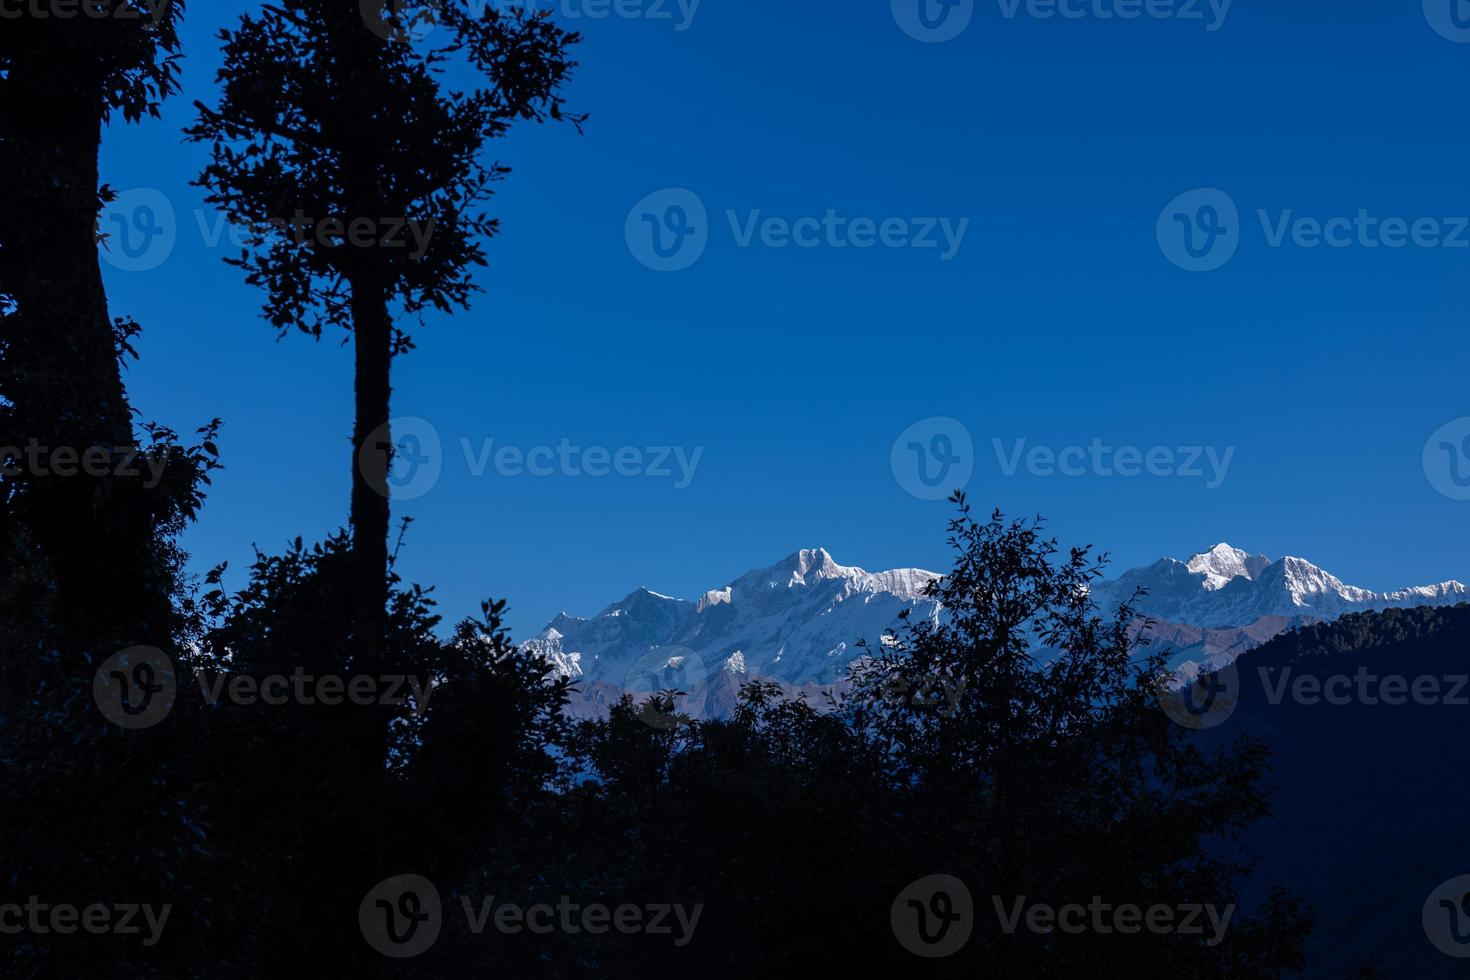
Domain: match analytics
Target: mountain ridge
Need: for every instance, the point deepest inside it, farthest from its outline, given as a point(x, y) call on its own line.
point(800, 620)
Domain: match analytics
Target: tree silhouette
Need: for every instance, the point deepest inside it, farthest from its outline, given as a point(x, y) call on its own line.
point(1054, 772)
point(362, 180)
point(88, 559)
point(959, 753)
point(95, 536)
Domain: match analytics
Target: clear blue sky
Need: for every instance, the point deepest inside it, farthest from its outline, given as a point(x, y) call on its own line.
point(1060, 319)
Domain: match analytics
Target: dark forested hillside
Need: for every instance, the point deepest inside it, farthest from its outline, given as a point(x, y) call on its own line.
point(1367, 778)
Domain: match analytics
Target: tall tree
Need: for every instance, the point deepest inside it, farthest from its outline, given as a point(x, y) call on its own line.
point(63, 74)
point(363, 179)
point(88, 562)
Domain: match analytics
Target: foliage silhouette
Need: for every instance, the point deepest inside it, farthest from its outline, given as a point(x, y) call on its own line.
point(361, 178)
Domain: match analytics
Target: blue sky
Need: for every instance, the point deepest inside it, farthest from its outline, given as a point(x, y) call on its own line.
point(1060, 319)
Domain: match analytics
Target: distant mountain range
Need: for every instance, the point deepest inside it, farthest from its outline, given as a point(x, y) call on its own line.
point(798, 622)
point(1224, 601)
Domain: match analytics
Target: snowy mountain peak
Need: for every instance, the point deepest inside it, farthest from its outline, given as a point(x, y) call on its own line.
point(1229, 587)
point(641, 599)
point(1222, 563)
point(805, 567)
point(799, 621)
point(796, 620)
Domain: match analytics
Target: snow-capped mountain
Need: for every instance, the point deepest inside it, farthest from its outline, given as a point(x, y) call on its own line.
point(1225, 586)
point(1224, 601)
point(799, 621)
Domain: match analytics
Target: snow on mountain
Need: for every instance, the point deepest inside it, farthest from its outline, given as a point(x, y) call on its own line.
point(1222, 563)
point(1224, 601)
point(1225, 586)
point(797, 621)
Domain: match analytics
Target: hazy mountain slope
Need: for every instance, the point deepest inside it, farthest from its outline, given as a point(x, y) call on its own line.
point(1369, 803)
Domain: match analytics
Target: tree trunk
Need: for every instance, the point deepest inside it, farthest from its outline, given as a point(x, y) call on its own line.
point(59, 368)
point(372, 454)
